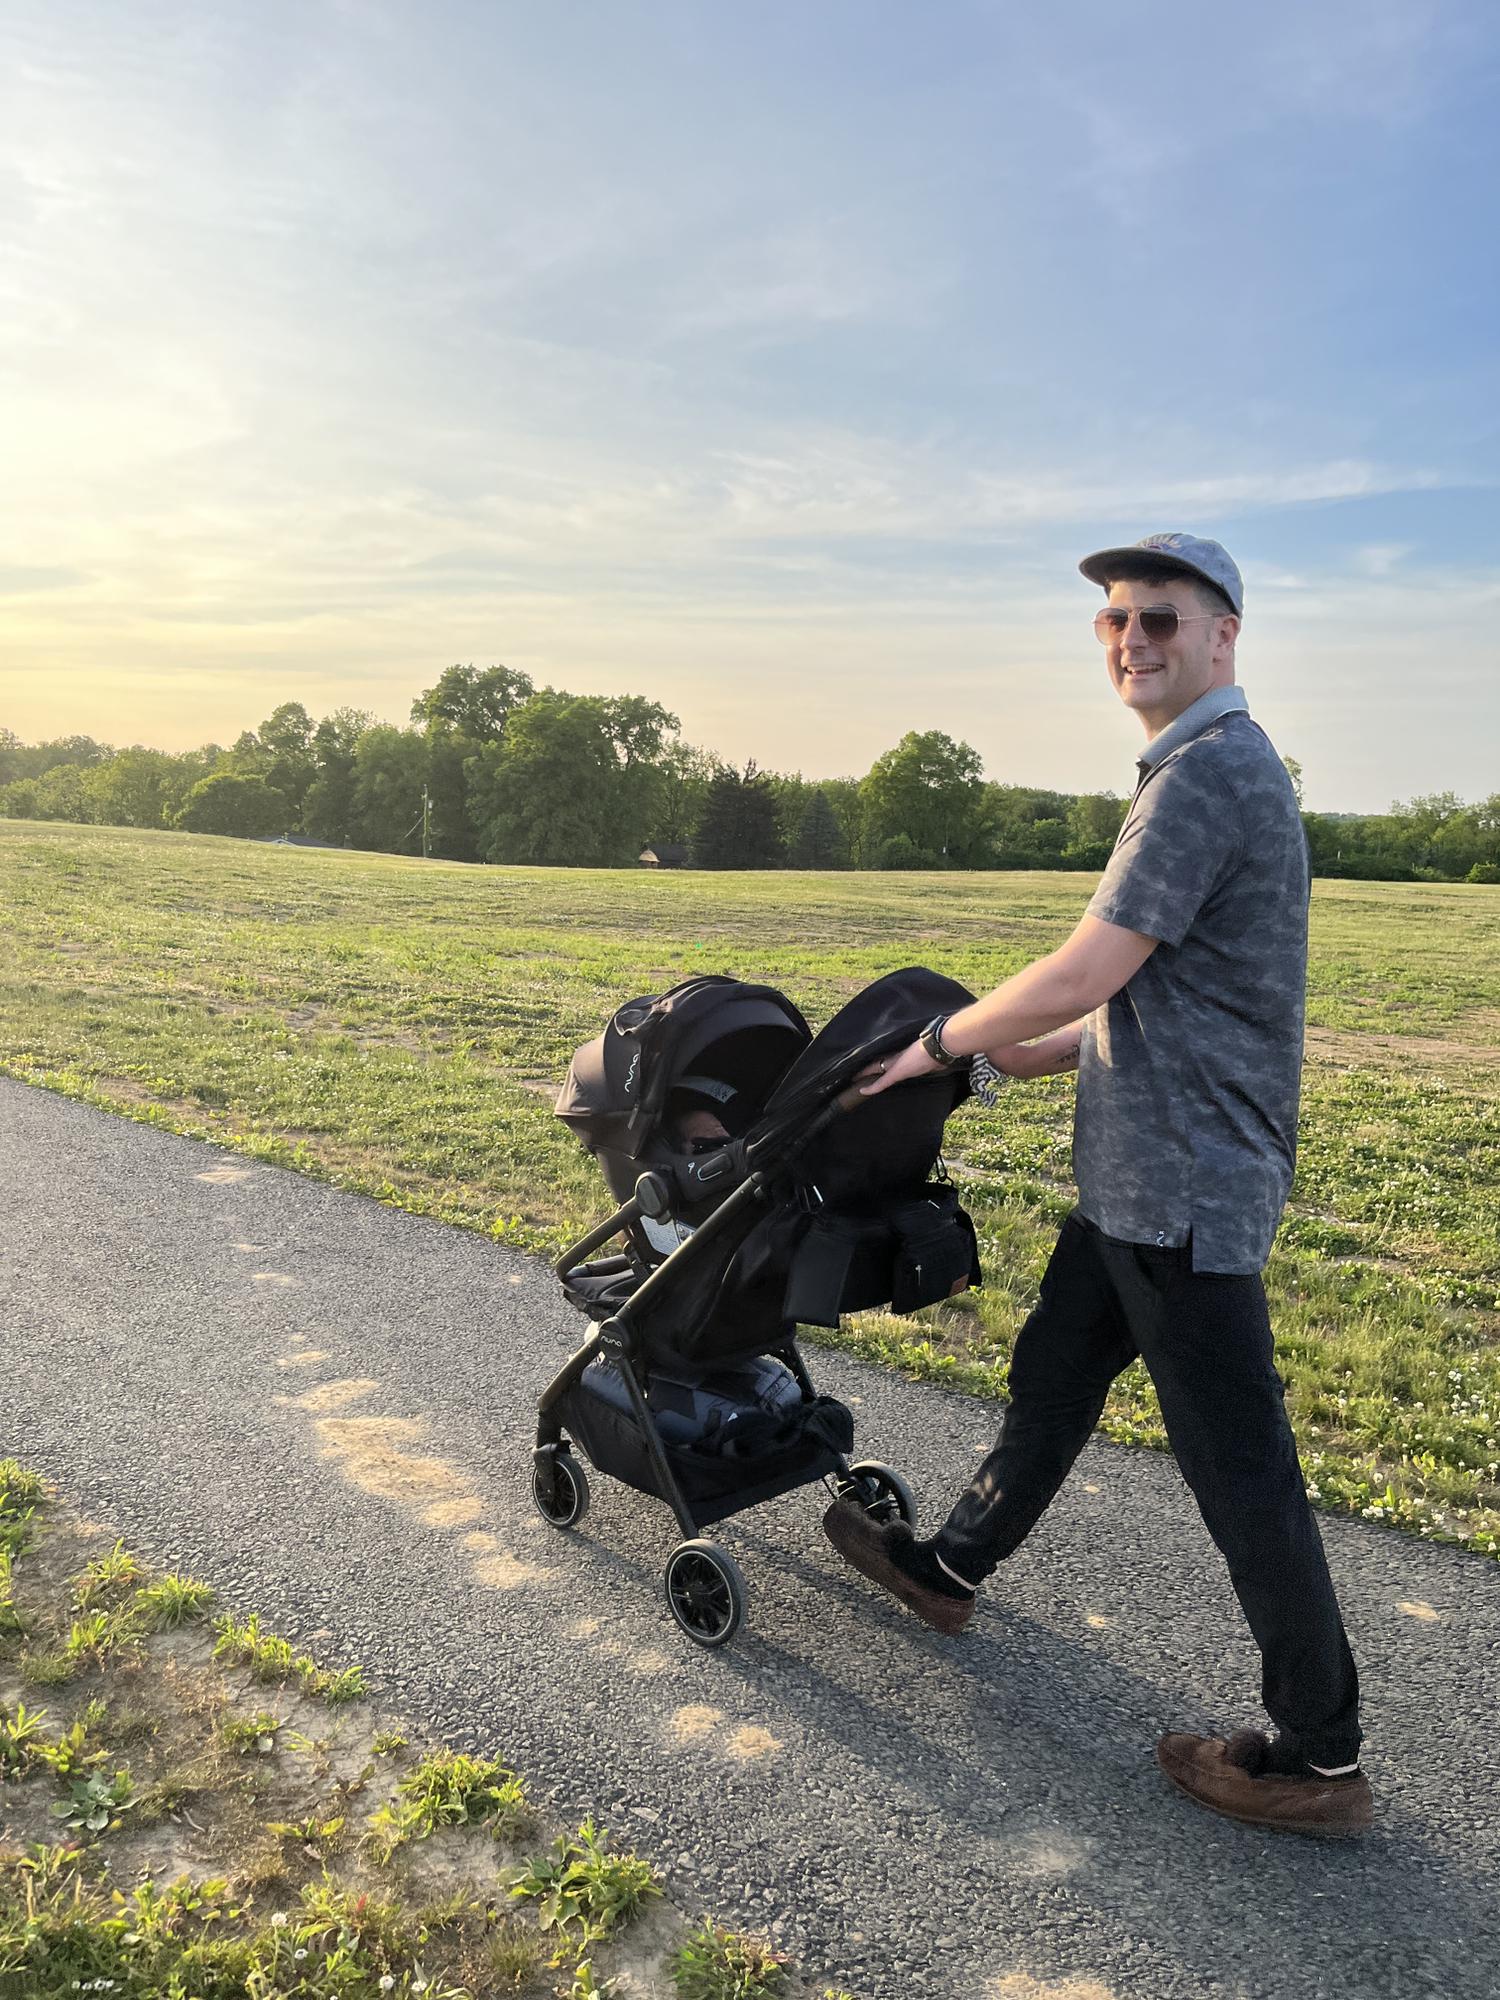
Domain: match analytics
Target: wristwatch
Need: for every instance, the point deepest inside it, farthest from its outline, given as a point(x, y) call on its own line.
point(931, 1039)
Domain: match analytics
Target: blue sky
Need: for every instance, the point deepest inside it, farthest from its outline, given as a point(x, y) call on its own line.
point(778, 362)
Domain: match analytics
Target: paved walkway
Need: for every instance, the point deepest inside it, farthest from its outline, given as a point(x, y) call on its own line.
point(325, 1408)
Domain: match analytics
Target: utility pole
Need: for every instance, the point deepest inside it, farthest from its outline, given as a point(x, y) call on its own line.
point(426, 816)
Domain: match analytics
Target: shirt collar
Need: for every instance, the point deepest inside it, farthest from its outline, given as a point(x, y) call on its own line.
point(1192, 722)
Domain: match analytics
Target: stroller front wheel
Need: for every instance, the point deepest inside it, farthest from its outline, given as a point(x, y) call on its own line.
point(881, 1491)
point(560, 1494)
point(705, 1592)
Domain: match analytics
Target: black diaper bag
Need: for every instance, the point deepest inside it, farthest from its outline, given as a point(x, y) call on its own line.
point(904, 1253)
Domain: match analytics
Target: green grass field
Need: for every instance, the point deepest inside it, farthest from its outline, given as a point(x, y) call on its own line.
point(399, 1027)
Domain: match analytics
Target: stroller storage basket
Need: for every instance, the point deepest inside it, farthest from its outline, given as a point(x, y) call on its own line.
point(732, 1438)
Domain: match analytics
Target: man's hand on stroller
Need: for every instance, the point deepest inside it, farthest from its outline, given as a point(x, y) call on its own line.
point(911, 1063)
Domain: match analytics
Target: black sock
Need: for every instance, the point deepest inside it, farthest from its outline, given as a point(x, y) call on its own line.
point(1285, 1758)
point(918, 1560)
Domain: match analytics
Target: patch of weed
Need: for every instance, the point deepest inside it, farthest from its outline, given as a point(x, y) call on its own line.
point(450, 1789)
point(171, 1601)
point(21, 1738)
point(106, 1575)
point(75, 1751)
point(21, 1494)
point(273, 1660)
point(95, 1804)
point(581, 1891)
point(715, 1964)
point(251, 1734)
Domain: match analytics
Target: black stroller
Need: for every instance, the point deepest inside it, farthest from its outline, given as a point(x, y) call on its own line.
point(758, 1189)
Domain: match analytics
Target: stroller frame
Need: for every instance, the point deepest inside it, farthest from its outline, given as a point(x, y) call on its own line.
point(705, 1590)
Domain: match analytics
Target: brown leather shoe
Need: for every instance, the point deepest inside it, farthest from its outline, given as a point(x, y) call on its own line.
point(867, 1547)
point(1222, 1777)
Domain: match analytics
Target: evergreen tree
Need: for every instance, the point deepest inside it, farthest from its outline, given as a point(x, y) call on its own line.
point(820, 842)
point(738, 828)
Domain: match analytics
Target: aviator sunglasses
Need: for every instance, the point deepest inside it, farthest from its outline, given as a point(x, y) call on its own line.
point(1159, 622)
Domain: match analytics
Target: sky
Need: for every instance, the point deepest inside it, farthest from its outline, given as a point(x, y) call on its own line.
point(777, 362)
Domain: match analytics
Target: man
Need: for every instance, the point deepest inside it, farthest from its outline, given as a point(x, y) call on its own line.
point(1179, 999)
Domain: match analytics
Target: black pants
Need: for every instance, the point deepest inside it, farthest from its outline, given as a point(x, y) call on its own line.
point(1206, 1342)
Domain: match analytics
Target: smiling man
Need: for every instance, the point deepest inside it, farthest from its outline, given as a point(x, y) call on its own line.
point(1179, 1000)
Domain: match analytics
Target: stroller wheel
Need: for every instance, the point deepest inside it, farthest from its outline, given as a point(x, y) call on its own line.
point(881, 1491)
point(705, 1592)
point(564, 1498)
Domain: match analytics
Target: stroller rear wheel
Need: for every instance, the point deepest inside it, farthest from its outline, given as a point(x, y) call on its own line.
point(560, 1492)
point(881, 1491)
point(705, 1592)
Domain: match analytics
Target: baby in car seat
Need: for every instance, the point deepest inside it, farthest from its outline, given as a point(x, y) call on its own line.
point(692, 1125)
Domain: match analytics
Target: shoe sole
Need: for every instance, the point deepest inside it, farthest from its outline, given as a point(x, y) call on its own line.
point(1307, 1829)
point(860, 1548)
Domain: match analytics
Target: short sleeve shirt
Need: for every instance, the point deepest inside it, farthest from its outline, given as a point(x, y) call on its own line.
point(1185, 1129)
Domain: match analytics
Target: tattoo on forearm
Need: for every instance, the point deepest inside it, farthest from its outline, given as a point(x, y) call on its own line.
point(1064, 1060)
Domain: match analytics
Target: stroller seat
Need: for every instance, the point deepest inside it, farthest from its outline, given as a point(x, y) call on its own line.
point(601, 1288)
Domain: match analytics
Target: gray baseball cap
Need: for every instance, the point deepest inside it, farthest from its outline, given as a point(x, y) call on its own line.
point(1210, 560)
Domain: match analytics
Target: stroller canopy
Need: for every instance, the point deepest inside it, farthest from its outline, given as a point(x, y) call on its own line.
point(888, 1141)
point(742, 1037)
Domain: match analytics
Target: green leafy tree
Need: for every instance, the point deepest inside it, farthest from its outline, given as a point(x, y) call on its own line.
point(549, 793)
point(390, 769)
point(328, 808)
point(18, 799)
point(1025, 827)
point(81, 752)
point(791, 792)
point(468, 708)
point(1093, 820)
point(289, 763)
point(134, 788)
point(476, 702)
point(846, 801)
point(924, 802)
point(640, 732)
point(62, 793)
point(12, 757)
point(683, 775)
point(245, 756)
point(232, 803)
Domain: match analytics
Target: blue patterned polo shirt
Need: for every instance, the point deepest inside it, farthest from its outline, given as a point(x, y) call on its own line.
point(1185, 1129)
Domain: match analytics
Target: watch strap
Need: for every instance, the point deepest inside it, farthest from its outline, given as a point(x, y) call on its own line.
point(931, 1039)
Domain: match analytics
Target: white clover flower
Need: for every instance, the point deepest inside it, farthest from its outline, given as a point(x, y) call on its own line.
point(386, 1981)
point(278, 1922)
point(300, 1953)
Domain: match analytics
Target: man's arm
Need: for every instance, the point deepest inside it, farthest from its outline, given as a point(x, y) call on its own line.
point(1051, 993)
point(1054, 1055)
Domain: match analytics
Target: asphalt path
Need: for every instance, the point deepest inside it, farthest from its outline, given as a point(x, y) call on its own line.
point(326, 1408)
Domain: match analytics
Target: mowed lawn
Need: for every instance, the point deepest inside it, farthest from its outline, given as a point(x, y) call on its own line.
point(400, 1027)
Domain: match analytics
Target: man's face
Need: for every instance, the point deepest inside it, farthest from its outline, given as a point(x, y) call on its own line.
point(1160, 678)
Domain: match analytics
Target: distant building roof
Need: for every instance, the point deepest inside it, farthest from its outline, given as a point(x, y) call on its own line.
point(665, 854)
point(296, 840)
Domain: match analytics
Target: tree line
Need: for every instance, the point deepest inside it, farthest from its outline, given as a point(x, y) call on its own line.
point(492, 768)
